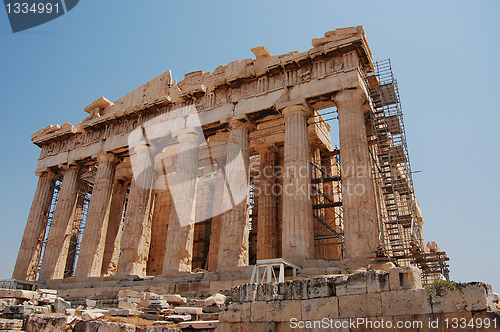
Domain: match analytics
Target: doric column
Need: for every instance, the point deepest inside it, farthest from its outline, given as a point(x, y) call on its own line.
point(179, 244)
point(134, 244)
point(267, 228)
point(96, 224)
point(215, 223)
point(297, 232)
point(26, 267)
point(159, 227)
point(115, 220)
point(56, 250)
point(233, 245)
point(358, 195)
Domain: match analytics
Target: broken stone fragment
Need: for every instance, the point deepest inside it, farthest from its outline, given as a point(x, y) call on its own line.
point(188, 310)
point(179, 318)
point(88, 315)
point(60, 305)
point(46, 323)
point(216, 299)
point(175, 299)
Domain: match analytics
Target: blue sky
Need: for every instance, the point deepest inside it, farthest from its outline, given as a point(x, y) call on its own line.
point(445, 55)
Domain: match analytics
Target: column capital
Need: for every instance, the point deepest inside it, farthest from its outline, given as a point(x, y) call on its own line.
point(144, 148)
point(349, 95)
point(47, 172)
point(296, 109)
point(234, 124)
point(188, 133)
point(106, 157)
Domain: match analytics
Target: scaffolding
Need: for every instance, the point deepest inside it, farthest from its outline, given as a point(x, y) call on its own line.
point(327, 209)
point(79, 218)
point(401, 237)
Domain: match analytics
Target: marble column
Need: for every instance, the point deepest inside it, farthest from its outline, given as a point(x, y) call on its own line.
point(298, 232)
point(136, 234)
point(159, 227)
point(89, 262)
point(215, 224)
point(358, 194)
point(267, 229)
point(180, 233)
point(233, 245)
point(26, 267)
point(114, 232)
point(56, 250)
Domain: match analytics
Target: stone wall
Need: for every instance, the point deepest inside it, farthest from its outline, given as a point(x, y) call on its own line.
point(363, 301)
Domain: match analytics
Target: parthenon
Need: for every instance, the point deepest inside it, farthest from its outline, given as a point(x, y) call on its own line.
point(189, 185)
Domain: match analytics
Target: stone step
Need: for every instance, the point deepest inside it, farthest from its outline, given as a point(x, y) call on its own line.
point(11, 324)
point(199, 325)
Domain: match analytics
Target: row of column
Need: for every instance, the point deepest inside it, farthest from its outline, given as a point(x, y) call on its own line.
point(229, 239)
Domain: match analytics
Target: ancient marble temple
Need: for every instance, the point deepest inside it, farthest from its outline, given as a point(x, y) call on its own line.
point(188, 185)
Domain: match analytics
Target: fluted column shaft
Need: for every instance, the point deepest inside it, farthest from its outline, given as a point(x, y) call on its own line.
point(113, 234)
point(56, 250)
point(94, 236)
point(159, 227)
point(267, 228)
point(298, 232)
point(137, 228)
point(358, 194)
point(180, 234)
point(26, 267)
point(233, 245)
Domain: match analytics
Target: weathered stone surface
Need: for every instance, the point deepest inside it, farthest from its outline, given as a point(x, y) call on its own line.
point(267, 292)
point(88, 315)
point(356, 283)
point(233, 245)
point(405, 302)
point(188, 311)
point(175, 299)
point(56, 249)
point(60, 305)
point(23, 309)
point(98, 326)
point(297, 229)
point(377, 281)
point(46, 323)
point(405, 278)
point(282, 311)
point(199, 325)
point(123, 312)
point(178, 318)
point(232, 314)
point(216, 299)
point(18, 294)
point(128, 305)
point(319, 287)
point(320, 308)
point(362, 305)
point(340, 284)
point(360, 210)
point(474, 296)
point(26, 267)
point(11, 324)
point(259, 311)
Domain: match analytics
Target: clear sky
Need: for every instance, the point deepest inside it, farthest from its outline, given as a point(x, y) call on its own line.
point(445, 55)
